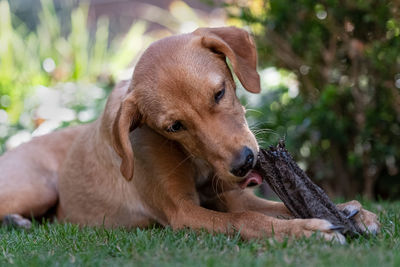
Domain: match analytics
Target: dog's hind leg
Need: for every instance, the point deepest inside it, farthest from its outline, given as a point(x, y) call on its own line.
point(23, 198)
point(16, 220)
point(29, 177)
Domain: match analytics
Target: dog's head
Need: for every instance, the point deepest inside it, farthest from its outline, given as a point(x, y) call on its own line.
point(182, 88)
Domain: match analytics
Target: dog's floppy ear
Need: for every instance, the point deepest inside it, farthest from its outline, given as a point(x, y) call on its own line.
point(127, 119)
point(238, 46)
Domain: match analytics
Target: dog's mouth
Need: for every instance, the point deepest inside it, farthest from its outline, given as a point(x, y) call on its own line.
point(252, 179)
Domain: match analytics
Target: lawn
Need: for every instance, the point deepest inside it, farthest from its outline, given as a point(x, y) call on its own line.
point(66, 245)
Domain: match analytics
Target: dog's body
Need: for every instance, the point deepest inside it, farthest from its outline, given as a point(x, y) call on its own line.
point(171, 147)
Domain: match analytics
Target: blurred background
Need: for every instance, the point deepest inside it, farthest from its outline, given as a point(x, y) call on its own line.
point(330, 74)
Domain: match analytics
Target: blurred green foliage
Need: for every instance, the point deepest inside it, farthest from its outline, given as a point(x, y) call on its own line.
point(64, 62)
point(344, 125)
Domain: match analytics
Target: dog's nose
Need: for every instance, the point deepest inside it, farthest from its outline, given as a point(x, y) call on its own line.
point(243, 162)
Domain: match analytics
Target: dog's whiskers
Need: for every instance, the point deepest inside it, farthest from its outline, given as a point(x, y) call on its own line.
point(266, 130)
point(218, 194)
point(254, 110)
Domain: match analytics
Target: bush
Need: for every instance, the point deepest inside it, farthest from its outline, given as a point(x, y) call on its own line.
point(344, 125)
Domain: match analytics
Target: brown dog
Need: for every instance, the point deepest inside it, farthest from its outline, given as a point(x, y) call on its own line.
point(172, 147)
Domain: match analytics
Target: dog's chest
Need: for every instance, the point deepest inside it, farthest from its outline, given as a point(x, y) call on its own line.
point(208, 186)
point(203, 172)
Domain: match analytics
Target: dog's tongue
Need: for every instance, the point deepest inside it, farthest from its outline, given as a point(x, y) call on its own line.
point(252, 179)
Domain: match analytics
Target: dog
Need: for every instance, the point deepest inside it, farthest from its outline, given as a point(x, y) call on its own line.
point(172, 147)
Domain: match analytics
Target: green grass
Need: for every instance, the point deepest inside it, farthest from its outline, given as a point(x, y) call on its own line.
point(68, 245)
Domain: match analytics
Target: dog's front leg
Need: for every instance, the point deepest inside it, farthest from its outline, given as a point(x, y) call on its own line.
point(250, 224)
point(177, 200)
point(245, 200)
point(172, 199)
point(366, 220)
point(242, 200)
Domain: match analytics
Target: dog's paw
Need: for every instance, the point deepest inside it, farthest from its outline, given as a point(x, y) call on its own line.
point(16, 220)
point(366, 221)
point(323, 228)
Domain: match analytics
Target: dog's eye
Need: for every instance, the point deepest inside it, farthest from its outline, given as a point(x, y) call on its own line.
point(219, 95)
point(177, 126)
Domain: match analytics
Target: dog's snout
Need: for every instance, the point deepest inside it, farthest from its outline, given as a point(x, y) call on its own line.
point(243, 162)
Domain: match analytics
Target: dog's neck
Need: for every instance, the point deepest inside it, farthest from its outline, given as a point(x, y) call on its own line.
point(203, 171)
point(208, 185)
